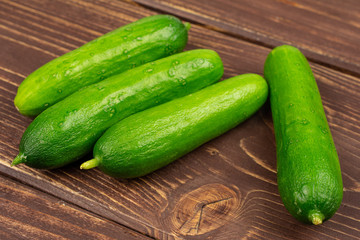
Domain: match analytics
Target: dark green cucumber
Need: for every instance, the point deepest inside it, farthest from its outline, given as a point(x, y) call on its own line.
point(143, 41)
point(69, 129)
point(309, 176)
point(151, 139)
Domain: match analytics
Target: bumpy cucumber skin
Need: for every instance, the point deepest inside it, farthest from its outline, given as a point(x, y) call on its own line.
point(309, 176)
point(143, 41)
point(69, 129)
point(151, 139)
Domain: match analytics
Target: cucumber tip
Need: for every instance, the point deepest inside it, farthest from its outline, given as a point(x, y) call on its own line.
point(187, 26)
point(316, 217)
point(20, 158)
point(90, 164)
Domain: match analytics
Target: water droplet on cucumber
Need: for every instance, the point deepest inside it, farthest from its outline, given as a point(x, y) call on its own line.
point(168, 49)
point(323, 130)
point(305, 122)
point(199, 61)
point(182, 81)
point(171, 72)
point(175, 63)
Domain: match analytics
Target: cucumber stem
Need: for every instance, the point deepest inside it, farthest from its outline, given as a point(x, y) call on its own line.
point(90, 164)
point(187, 26)
point(316, 217)
point(20, 158)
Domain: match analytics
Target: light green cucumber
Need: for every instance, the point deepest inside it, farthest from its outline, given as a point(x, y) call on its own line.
point(309, 176)
point(132, 45)
point(68, 130)
point(151, 139)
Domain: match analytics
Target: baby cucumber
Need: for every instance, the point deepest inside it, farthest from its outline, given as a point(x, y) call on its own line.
point(309, 176)
point(143, 41)
point(151, 139)
point(69, 129)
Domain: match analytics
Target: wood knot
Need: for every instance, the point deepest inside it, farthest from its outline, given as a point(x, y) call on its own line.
point(212, 151)
point(205, 209)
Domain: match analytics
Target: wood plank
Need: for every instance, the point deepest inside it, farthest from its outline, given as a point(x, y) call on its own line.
point(26, 213)
point(327, 31)
point(225, 189)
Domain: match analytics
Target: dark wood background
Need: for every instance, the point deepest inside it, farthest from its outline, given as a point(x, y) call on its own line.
point(225, 189)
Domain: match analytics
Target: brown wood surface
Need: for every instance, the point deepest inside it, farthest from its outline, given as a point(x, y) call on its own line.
point(26, 213)
point(225, 189)
point(327, 31)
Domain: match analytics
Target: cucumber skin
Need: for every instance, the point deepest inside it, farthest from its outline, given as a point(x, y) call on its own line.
point(309, 175)
point(146, 40)
point(69, 129)
point(149, 140)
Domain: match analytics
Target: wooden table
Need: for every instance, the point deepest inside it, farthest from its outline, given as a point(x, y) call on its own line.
point(225, 189)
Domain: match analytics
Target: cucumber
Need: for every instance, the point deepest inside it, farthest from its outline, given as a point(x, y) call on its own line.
point(145, 40)
point(149, 140)
point(309, 176)
point(68, 130)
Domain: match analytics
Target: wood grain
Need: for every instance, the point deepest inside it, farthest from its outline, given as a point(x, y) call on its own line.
point(326, 31)
point(26, 213)
point(225, 189)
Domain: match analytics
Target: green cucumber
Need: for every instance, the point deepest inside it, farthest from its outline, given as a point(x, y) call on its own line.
point(68, 130)
point(309, 176)
point(149, 140)
point(143, 41)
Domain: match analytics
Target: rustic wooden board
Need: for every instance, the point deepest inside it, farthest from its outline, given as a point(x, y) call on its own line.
point(226, 189)
point(26, 213)
point(327, 31)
